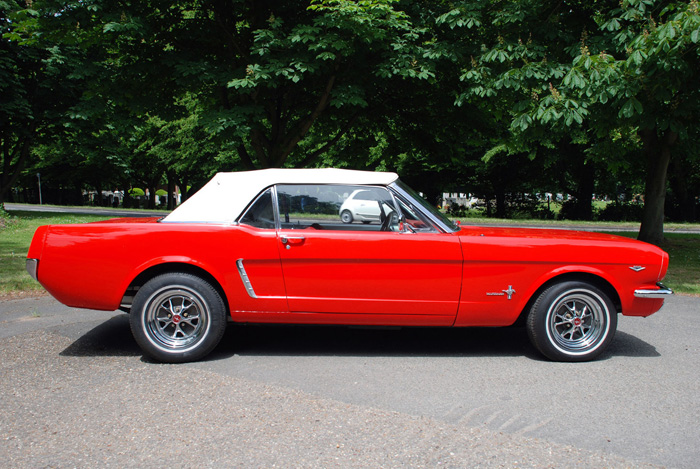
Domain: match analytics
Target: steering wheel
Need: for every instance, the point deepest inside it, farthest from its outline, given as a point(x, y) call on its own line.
point(390, 219)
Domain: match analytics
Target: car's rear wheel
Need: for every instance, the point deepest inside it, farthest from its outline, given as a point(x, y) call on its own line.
point(177, 317)
point(346, 216)
point(572, 321)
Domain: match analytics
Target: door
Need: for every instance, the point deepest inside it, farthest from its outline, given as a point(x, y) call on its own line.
point(370, 269)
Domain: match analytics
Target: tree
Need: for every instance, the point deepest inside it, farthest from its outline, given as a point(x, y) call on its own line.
point(659, 88)
point(503, 97)
point(36, 86)
point(263, 73)
point(513, 55)
point(185, 151)
point(589, 70)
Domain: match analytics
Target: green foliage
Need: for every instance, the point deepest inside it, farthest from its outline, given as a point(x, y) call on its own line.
point(36, 86)
point(622, 211)
point(326, 67)
point(496, 99)
point(586, 74)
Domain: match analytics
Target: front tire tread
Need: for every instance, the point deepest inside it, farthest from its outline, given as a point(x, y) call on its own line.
point(591, 337)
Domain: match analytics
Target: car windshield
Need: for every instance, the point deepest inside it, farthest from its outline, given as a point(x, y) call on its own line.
point(426, 206)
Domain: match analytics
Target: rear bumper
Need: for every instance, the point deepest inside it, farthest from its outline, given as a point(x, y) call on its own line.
point(32, 266)
point(661, 292)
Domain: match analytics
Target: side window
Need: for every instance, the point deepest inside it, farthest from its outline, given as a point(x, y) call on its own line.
point(260, 214)
point(336, 207)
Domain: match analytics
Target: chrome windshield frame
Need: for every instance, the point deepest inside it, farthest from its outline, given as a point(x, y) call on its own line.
point(440, 221)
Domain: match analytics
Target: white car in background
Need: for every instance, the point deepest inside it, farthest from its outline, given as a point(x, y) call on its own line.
point(364, 205)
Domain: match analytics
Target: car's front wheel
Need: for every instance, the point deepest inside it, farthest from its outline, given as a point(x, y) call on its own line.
point(177, 317)
point(346, 216)
point(572, 321)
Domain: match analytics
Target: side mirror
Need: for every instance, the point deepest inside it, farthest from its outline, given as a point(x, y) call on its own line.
point(405, 227)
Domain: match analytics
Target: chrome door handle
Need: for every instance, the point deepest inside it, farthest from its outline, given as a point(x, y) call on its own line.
point(292, 240)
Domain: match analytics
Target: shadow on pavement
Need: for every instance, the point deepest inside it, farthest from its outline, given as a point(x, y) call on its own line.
point(285, 340)
point(113, 338)
point(627, 345)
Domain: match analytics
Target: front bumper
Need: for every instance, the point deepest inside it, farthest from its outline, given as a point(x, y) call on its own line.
point(661, 292)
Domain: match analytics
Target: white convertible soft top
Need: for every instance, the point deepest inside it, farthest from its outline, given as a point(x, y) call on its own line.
point(223, 198)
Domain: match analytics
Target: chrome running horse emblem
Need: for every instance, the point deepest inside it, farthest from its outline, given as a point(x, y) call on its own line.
point(508, 292)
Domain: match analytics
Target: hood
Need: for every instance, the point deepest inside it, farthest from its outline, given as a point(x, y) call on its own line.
point(542, 233)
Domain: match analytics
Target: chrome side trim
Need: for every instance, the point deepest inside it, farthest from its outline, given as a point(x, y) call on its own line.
point(662, 292)
point(244, 278)
point(32, 268)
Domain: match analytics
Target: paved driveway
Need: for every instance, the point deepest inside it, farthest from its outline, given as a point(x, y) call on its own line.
point(76, 391)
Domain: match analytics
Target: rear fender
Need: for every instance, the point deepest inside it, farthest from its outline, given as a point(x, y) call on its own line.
point(36, 248)
point(154, 269)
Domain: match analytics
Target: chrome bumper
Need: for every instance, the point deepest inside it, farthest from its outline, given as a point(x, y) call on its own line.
point(32, 265)
point(662, 292)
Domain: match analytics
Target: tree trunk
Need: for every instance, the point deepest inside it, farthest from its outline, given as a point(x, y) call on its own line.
point(98, 196)
point(272, 148)
point(578, 178)
point(127, 201)
point(151, 203)
point(171, 190)
point(658, 152)
point(10, 172)
point(684, 207)
point(584, 192)
point(182, 183)
point(500, 204)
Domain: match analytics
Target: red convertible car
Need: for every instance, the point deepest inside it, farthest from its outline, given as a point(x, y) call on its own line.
point(271, 246)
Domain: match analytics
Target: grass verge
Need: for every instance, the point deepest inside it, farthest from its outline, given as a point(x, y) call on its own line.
point(684, 270)
point(16, 233)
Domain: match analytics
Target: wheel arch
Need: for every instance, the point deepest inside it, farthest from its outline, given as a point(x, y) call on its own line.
point(164, 268)
point(593, 279)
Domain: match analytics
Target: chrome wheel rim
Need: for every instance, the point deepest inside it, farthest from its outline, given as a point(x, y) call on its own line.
point(578, 322)
point(176, 319)
point(346, 217)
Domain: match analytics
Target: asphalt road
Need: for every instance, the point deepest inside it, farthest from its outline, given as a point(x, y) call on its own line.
point(103, 211)
point(77, 392)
